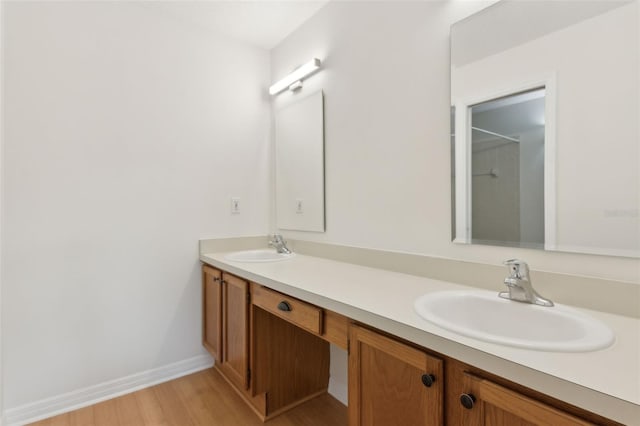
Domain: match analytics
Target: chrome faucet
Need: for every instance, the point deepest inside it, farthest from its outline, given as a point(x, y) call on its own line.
point(276, 241)
point(519, 284)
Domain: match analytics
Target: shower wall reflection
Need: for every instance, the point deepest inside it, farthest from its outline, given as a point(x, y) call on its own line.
point(507, 163)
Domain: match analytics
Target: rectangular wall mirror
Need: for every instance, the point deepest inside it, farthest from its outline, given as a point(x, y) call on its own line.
point(545, 126)
point(299, 135)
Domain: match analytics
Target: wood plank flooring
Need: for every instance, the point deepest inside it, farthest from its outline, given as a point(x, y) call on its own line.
point(202, 398)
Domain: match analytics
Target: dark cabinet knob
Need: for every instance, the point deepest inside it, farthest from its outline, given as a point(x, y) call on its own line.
point(428, 379)
point(467, 400)
point(284, 306)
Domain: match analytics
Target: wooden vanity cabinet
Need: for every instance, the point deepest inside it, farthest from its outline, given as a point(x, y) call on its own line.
point(488, 403)
point(225, 320)
point(225, 323)
point(275, 359)
point(235, 330)
point(274, 351)
point(392, 383)
point(477, 398)
point(212, 311)
point(289, 365)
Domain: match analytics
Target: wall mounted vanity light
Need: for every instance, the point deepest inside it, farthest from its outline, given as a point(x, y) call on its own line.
point(294, 79)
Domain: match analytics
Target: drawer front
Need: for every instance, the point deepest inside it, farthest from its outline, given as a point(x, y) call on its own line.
point(293, 310)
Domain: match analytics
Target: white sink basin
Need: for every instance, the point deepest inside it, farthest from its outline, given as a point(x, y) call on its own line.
point(485, 316)
point(263, 255)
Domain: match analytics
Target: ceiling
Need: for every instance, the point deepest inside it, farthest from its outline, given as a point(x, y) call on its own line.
point(263, 23)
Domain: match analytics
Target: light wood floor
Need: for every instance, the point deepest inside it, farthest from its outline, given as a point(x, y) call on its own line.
point(202, 398)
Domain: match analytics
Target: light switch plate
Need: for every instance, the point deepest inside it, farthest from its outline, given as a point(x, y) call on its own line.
point(235, 205)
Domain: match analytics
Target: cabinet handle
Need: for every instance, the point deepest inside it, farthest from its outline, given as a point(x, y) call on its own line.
point(467, 400)
point(216, 279)
point(284, 306)
point(428, 379)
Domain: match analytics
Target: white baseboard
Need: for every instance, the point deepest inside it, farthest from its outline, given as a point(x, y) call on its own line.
point(339, 391)
point(52, 406)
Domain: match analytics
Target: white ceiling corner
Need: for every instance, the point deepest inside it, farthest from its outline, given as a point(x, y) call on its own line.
point(263, 23)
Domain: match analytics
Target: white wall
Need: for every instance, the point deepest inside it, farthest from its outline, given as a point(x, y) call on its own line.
point(126, 134)
point(386, 81)
point(1, 185)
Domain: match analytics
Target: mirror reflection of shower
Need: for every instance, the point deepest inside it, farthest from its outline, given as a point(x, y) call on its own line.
point(507, 170)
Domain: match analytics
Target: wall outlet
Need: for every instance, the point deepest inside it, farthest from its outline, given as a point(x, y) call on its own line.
point(299, 205)
point(235, 205)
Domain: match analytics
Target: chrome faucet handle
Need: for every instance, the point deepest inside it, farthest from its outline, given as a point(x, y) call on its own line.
point(517, 269)
point(276, 241)
point(519, 285)
point(276, 238)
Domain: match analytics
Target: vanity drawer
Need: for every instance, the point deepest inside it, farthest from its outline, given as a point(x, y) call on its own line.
point(293, 310)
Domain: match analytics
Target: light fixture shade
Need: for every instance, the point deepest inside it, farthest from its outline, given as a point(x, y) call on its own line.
point(296, 75)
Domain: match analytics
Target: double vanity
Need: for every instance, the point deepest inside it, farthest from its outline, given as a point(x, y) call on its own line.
point(420, 351)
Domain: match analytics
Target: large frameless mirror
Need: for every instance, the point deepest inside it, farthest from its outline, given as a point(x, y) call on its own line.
point(545, 129)
point(299, 132)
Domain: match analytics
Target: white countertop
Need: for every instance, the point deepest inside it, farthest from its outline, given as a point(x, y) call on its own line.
point(606, 382)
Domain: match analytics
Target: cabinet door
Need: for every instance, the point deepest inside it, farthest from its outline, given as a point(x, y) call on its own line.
point(235, 330)
point(488, 403)
point(391, 383)
point(212, 311)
